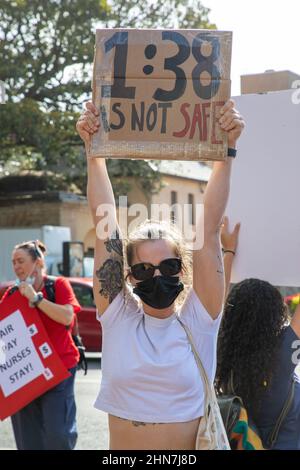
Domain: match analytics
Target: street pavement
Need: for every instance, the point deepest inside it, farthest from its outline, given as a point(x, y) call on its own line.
point(91, 423)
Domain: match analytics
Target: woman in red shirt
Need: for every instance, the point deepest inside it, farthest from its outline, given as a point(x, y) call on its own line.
point(49, 422)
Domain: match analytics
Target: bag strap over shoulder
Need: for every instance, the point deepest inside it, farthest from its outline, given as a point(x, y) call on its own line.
point(50, 287)
point(272, 438)
point(211, 433)
point(12, 290)
point(286, 408)
point(207, 386)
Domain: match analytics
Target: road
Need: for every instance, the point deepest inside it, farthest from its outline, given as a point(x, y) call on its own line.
point(91, 423)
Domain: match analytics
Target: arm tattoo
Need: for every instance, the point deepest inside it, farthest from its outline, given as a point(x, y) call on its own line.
point(111, 273)
point(114, 244)
point(110, 276)
point(140, 423)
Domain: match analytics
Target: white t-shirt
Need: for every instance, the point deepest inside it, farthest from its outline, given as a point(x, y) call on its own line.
point(149, 373)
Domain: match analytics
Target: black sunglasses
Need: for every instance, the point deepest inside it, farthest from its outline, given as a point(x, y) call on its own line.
point(167, 267)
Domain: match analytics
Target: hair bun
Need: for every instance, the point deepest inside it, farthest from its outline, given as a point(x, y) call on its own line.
point(41, 246)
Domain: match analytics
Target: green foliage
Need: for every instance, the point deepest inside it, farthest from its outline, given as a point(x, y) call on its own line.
point(46, 50)
point(40, 40)
point(293, 303)
point(33, 139)
point(159, 14)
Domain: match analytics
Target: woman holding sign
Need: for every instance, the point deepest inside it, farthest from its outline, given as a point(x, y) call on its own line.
point(151, 387)
point(49, 422)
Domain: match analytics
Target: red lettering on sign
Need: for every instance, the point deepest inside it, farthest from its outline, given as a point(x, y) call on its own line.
point(198, 117)
point(184, 131)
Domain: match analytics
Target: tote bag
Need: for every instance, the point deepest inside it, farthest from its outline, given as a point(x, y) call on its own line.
point(211, 433)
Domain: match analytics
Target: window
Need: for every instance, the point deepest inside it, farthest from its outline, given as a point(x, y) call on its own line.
point(88, 265)
point(84, 295)
point(191, 206)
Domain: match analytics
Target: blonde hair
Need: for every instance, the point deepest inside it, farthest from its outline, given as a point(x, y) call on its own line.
point(155, 230)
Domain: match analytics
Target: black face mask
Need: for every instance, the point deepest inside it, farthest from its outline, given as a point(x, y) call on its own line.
point(159, 291)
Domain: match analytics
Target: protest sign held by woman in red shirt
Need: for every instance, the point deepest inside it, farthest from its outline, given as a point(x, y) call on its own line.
point(48, 422)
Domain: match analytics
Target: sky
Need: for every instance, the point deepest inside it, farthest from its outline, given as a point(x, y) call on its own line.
point(266, 35)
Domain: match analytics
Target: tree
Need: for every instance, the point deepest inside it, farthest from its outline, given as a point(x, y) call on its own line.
point(47, 49)
point(159, 14)
point(41, 39)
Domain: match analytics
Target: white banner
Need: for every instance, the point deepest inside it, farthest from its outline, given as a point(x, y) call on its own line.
point(20, 363)
point(265, 189)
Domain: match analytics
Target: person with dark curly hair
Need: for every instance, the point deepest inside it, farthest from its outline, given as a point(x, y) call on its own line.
point(258, 352)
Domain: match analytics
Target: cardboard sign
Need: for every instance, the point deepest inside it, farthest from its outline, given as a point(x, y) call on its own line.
point(159, 93)
point(29, 365)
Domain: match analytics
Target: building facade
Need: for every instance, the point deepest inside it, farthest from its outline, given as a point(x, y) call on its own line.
point(183, 183)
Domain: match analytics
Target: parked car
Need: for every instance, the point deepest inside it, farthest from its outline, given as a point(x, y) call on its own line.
point(89, 327)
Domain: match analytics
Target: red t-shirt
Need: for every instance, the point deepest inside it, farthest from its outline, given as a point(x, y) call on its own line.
point(60, 335)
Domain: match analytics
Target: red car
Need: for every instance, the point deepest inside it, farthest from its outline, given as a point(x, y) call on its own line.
point(89, 327)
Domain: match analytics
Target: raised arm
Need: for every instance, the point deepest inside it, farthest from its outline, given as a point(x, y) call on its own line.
point(108, 260)
point(229, 241)
point(208, 272)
